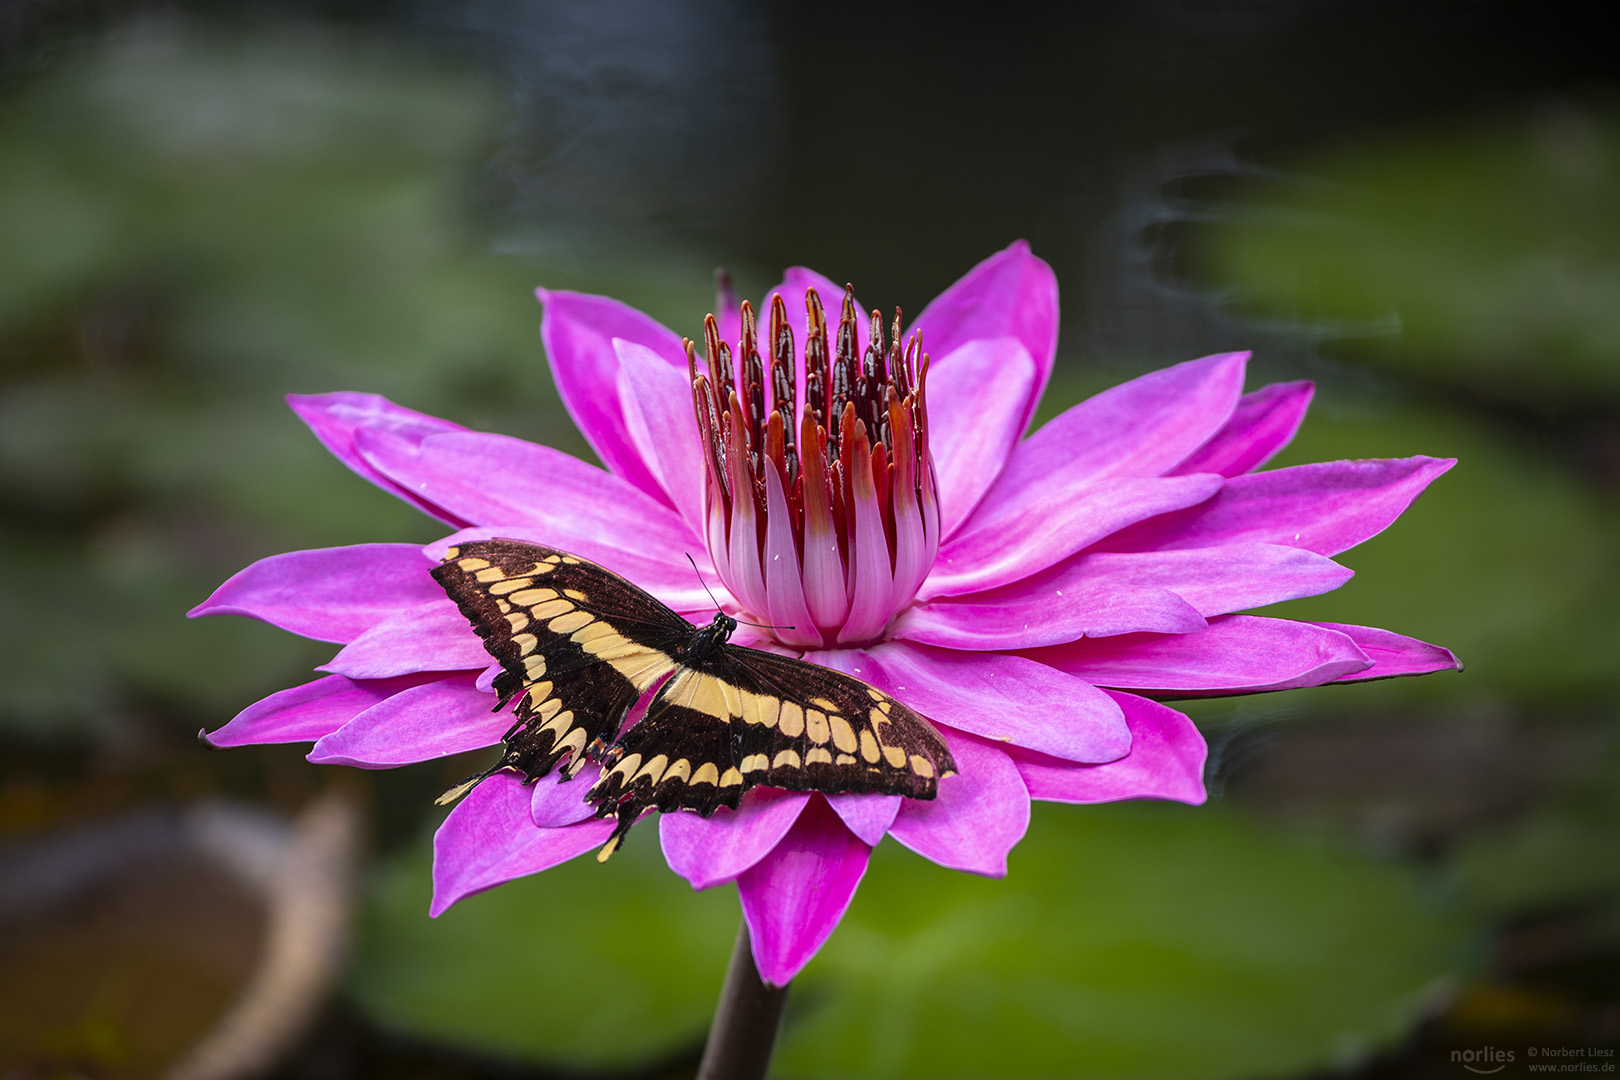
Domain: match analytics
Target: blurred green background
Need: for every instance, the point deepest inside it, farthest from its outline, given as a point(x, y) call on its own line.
point(205, 206)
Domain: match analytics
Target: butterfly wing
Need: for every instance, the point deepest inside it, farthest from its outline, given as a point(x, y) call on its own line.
point(577, 645)
point(809, 728)
point(744, 717)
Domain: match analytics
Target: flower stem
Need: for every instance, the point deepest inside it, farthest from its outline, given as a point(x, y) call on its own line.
point(745, 1021)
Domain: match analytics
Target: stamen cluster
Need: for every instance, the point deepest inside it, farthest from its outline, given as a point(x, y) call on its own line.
point(823, 518)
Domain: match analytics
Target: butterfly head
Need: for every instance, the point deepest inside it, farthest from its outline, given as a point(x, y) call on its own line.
point(709, 640)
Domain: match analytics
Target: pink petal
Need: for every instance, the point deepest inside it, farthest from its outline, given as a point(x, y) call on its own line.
point(656, 399)
point(1327, 507)
point(709, 851)
point(1010, 294)
point(977, 395)
point(555, 802)
point(1099, 595)
point(978, 816)
point(867, 816)
point(429, 637)
point(1263, 423)
point(430, 721)
point(329, 594)
point(785, 604)
point(578, 330)
point(334, 418)
point(1237, 654)
point(871, 575)
point(669, 579)
point(488, 839)
point(1140, 428)
point(1051, 608)
point(1166, 762)
point(1017, 533)
point(793, 898)
point(306, 713)
point(1002, 698)
point(1393, 654)
point(1214, 580)
point(497, 480)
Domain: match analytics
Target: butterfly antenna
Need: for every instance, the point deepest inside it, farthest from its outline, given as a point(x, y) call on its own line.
point(701, 582)
point(717, 607)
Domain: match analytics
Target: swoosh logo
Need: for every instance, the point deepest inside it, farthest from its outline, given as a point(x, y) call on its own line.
point(1484, 1072)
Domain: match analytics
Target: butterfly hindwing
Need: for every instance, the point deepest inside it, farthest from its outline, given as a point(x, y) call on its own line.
point(809, 728)
point(577, 645)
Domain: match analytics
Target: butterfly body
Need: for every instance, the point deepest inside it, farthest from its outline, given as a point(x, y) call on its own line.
point(579, 646)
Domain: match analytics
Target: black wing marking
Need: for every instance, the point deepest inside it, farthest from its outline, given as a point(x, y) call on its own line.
point(745, 717)
point(577, 645)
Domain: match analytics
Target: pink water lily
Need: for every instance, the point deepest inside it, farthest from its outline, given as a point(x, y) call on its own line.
point(1033, 595)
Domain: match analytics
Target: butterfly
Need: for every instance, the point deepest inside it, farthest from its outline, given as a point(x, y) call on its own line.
point(579, 646)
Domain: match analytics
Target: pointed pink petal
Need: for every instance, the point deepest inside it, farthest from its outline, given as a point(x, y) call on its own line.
point(1010, 294)
point(329, 594)
point(977, 395)
point(1108, 593)
point(1214, 580)
point(1140, 428)
point(709, 851)
point(334, 418)
point(656, 399)
point(578, 331)
point(867, 816)
point(306, 713)
point(1393, 654)
point(555, 802)
point(1166, 762)
point(664, 573)
point(1263, 423)
point(497, 480)
point(1327, 507)
point(1001, 698)
point(1020, 533)
point(978, 817)
point(871, 574)
point(429, 637)
point(430, 721)
point(793, 899)
point(1237, 654)
point(785, 603)
point(1051, 608)
point(488, 840)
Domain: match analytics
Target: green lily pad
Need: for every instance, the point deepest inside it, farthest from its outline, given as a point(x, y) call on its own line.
point(585, 966)
point(1128, 941)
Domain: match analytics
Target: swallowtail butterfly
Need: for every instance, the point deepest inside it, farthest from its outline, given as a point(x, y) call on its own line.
point(579, 646)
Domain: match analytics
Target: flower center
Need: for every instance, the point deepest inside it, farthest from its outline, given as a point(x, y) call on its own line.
point(821, 501)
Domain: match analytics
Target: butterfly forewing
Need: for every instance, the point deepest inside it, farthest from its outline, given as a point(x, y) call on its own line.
point(577, 645)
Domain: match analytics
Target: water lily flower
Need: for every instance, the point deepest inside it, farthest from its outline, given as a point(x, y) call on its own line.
point(882, 509)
